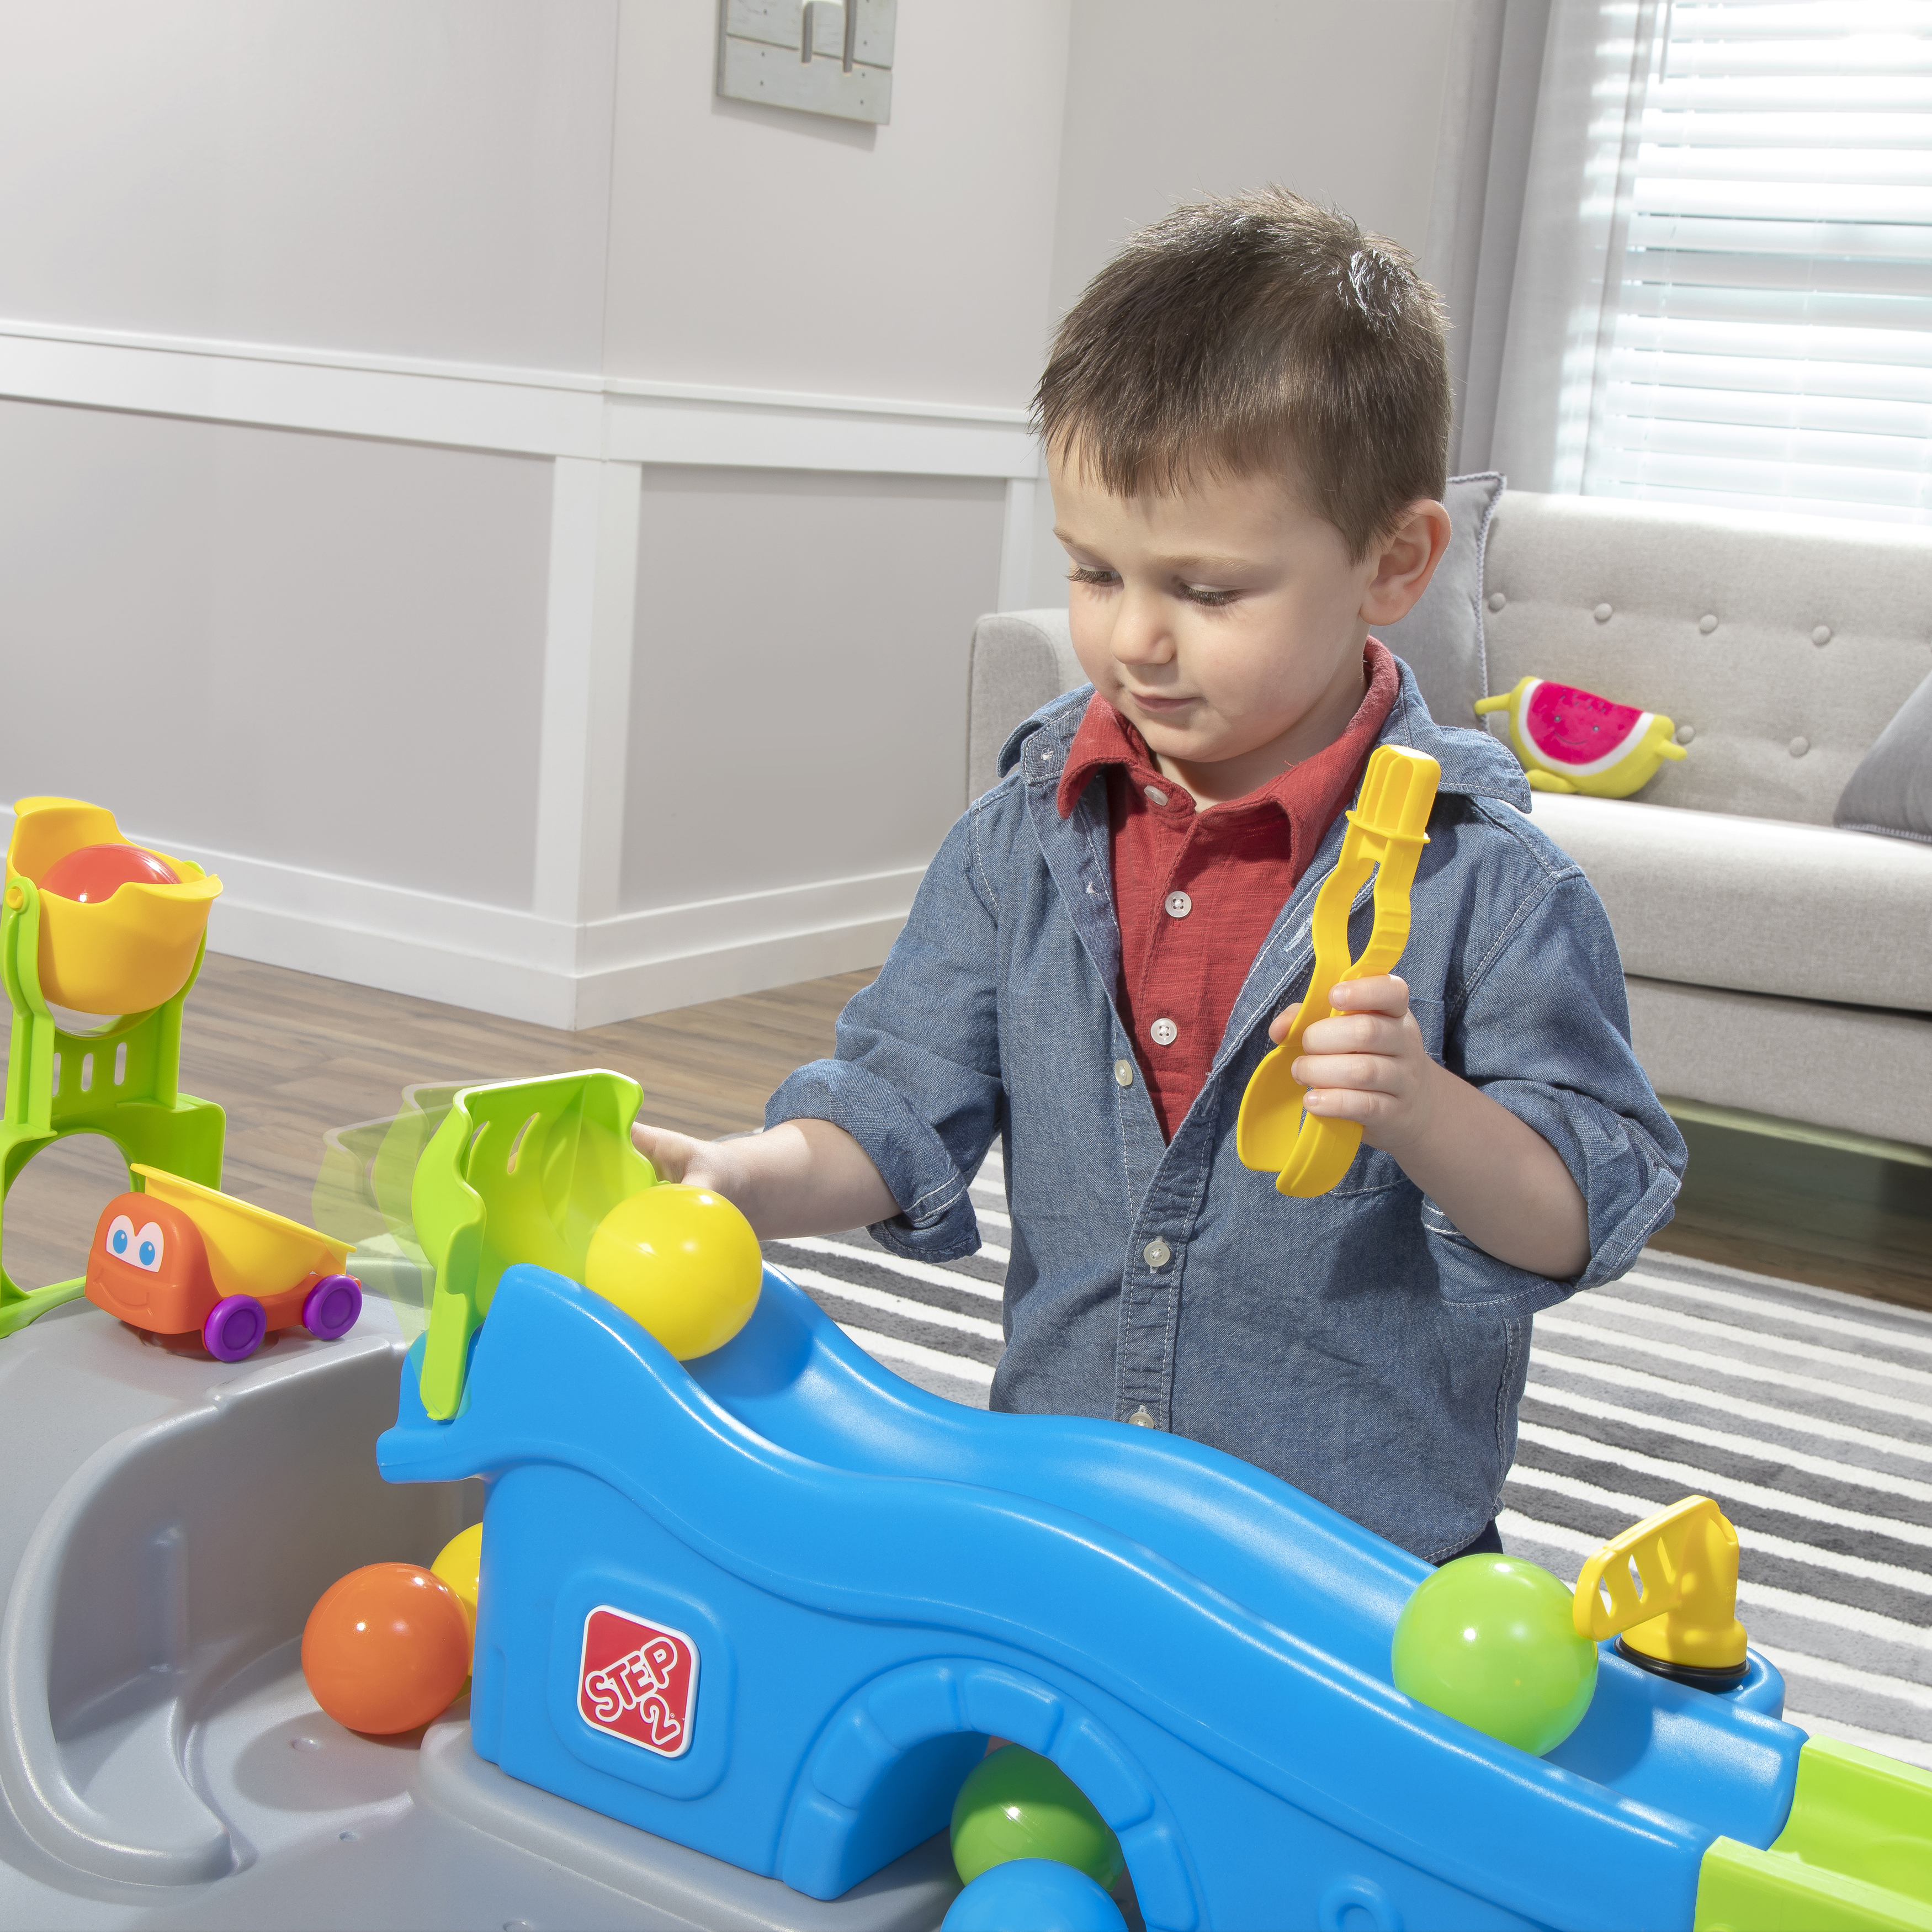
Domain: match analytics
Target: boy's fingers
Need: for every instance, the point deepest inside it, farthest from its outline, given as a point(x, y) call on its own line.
point(1383, 994)
point(1354, 1033)
point(1279, 1026)
point(1348, 1103)
point(668, 1153)
point(1352, 1072)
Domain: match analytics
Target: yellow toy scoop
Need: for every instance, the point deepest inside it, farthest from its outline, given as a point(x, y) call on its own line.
point(1385, 831)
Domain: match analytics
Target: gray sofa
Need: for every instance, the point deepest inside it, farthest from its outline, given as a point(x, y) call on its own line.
point(1776, 964)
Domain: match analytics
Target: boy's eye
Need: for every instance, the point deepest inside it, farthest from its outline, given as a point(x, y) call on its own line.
point(1083, 573)
point(1199, 593)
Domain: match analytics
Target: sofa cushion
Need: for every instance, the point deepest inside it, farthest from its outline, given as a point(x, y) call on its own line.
point(1784, 645)
point(1442, 639)
point(1757, 905)
point(1858, 1068)
point(1890, 792)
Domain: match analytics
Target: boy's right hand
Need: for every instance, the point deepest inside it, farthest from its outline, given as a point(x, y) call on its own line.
point(802, 1176)
point(678, 1157)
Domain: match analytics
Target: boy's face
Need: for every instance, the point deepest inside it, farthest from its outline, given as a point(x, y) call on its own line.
point(1225, 622)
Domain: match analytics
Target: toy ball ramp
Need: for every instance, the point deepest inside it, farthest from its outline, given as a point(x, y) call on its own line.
point(769, 1604)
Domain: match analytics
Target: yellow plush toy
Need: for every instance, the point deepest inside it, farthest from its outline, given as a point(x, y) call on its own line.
point(1573, 740)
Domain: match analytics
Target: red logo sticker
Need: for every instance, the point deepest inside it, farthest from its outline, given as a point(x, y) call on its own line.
point(639, 1682)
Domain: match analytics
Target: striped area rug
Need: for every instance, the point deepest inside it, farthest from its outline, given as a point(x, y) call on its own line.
point(1806, 1413)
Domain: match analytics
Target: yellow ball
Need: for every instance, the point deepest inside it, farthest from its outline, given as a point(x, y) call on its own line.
point(459, 1563)
point(682, 1262)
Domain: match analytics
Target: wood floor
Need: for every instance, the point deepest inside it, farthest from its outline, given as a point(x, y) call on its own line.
point(1820, 1214)
point(291, 1056)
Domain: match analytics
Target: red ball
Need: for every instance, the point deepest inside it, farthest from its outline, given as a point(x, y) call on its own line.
point(92, 873)
point(386, 1649)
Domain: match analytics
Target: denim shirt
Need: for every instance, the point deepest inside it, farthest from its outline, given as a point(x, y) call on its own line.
point(1357, 1346)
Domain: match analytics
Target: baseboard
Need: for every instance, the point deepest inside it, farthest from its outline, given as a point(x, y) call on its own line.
point(519, 965)
point(571, 1002)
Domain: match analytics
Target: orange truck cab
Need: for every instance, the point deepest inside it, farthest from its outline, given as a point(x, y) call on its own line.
point(180, 1259)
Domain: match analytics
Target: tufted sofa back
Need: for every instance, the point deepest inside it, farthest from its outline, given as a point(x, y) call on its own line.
point(1783, 646)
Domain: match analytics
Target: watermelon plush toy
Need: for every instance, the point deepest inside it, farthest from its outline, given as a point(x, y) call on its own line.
point(1573, 740)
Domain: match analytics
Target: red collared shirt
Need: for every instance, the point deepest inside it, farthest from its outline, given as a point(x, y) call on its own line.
point(1196, 892)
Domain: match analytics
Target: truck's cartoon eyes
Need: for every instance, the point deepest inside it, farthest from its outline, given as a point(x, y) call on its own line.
point(141, 1247)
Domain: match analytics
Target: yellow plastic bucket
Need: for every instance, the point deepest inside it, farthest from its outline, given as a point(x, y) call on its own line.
point(133, 951)
point(249, 1251)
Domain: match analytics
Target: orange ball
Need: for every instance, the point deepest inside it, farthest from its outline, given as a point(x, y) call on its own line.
point(386, 1649)
point(92, 873)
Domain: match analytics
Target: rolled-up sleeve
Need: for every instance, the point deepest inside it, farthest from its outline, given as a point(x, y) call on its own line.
point(916, 1079)
point(1544, 1031)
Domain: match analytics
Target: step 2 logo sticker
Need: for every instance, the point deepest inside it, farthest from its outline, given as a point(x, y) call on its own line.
point(639, 1681)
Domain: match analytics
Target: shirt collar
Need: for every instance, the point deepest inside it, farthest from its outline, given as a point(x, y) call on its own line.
point(1105, 738)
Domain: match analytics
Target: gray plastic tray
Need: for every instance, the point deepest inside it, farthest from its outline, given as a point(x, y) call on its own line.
point(167, 1523)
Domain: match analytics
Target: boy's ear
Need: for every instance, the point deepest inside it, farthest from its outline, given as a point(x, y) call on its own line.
point(1405, 561)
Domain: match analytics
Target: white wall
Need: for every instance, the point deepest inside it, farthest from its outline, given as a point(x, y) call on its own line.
point(595, 479)
point(394, 177)
point(753, 247)
point(1342, 104)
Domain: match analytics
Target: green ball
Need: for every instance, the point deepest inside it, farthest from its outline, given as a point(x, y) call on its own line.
point(1492, 1640)
point(1017, 1804)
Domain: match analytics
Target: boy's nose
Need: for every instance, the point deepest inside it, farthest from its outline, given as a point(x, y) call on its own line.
point(1141, 633)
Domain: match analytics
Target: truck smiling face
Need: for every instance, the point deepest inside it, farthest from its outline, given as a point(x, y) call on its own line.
point(148, 1266)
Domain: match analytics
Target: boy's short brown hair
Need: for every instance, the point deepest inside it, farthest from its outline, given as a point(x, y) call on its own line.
point(1258, 335)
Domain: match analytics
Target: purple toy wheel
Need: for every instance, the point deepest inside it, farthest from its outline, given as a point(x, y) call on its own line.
point(332, 1307)
point(234, 1327)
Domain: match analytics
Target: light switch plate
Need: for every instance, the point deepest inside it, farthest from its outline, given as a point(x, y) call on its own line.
point(819, 57)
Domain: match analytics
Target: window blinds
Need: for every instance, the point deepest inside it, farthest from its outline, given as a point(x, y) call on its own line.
point(1768, 340)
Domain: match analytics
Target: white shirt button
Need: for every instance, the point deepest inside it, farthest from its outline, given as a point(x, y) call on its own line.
point(1156, 1254)
point(1155, 795)
point(1179, 905)
point(1123, 1073)
point(1164, 1032)
point(1142, 1418)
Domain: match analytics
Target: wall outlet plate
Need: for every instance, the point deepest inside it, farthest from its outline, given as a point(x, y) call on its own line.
point(816, 56)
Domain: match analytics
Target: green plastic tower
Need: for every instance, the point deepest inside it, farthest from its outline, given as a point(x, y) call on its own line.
point(122, 1083)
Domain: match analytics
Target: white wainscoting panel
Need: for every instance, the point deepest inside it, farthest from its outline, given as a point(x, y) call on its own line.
point(576, 958)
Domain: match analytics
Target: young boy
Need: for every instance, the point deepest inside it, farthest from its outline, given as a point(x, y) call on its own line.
point(1247, 417)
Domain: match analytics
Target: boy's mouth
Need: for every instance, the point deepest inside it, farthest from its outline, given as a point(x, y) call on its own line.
point(1145, 702)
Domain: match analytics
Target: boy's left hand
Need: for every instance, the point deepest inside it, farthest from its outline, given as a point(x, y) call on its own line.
point(1496, 1177)
point(1367, 1062)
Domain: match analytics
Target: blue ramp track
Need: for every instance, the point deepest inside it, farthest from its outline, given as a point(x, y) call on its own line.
point(828, 1587)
